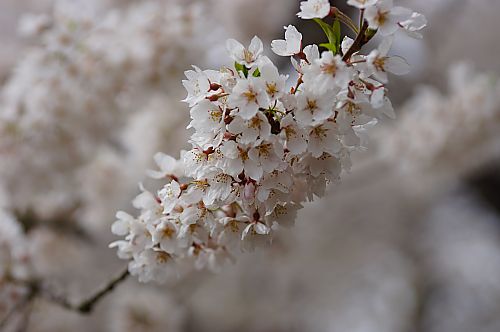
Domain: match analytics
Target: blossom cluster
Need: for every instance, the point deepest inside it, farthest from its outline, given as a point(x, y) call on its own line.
point(260, 148)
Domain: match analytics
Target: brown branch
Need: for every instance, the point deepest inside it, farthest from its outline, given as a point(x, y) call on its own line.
point(361, 39)
point(87, 305)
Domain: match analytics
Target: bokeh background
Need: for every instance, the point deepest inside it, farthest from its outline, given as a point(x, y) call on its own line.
point(409, 241)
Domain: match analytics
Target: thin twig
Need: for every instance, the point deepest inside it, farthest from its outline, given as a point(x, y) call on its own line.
point(87, 306)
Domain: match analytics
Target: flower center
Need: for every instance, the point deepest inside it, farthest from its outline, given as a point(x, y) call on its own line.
point(329, 68)
point(255, 123)
point(168, 232)
point(320, 132)
point(290, 132)
point(312, 105)
point(162, 257)
point(381, 17)
point(216, 116)
point(271, 89)
point(379, 64)
point(250, 95)
point(248, 56)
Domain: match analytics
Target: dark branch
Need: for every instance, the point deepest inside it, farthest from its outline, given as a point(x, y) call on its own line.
point(363, 37)
point(87, 306)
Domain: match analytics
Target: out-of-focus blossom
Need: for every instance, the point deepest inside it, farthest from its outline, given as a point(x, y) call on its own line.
point(451, 133)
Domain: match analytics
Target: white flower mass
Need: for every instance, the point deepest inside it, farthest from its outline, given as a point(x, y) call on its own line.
point(260, 149)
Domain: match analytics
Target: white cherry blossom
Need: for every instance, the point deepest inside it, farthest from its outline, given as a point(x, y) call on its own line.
point(246, 56)
point(274, 82)
point(208, 121)
point(313, 107)
point(169, 166)
point(328, 73)
point(250, 131)
point(169, 196)
point(384, 17)
point(293, 135)
point(291, 45)
point(314, 9)
point(323, 138)
point(379, 63)
point(248, 96)
point(197, 86)
point(165, 236)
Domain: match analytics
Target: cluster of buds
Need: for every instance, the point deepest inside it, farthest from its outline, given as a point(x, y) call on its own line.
point(261, 148)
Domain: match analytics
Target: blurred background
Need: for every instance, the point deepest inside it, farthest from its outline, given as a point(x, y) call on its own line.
point(409, 241)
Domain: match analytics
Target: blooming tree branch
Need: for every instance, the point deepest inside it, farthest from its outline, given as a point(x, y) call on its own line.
point(262, 148)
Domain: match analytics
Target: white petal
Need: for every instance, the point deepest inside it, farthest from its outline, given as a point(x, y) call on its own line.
point(377, 98)
point(397, 65)
point(253, 170)
point(261, 229)
point(256, 47)
point(293, 38)
point(296, 65)
point(388, 28)
point(311, 52)
point(245, 231)
point(279, 47)
point(235, 49)
point(388, 109)
point(346, 44)
point(120, 228)
point(385, 45)
point(237, 126)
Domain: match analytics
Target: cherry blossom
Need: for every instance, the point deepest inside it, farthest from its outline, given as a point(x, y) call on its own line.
point(246, 56)
point(259, 151)
point(314, 9)
point(291, 45)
